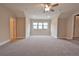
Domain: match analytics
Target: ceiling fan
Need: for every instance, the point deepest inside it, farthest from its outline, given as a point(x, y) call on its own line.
point(49, 6)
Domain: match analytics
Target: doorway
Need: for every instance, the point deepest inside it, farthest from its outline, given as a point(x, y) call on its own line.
point(76, 27)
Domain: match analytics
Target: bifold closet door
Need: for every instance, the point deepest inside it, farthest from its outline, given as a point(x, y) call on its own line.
point(20, 27)
point(12, 28)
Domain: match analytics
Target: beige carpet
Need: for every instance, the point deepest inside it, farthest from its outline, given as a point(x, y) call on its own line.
point(40, 46)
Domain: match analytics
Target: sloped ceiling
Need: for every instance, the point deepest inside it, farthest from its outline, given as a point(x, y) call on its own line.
point(35, 9)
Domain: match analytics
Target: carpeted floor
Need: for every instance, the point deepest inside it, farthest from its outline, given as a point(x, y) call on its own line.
point(40, 46)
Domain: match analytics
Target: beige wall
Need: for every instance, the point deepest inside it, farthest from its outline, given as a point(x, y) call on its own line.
point(70, 27)
point(62, 26)
point(4, 24)
point(20, 27)
point(65, 26)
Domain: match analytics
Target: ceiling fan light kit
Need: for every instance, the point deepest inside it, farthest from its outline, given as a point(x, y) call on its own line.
point(49, 6)
point(47, 9)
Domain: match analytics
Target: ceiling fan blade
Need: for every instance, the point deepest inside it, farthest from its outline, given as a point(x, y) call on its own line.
point(52, 10)
point(49, 4)
point(55, 5)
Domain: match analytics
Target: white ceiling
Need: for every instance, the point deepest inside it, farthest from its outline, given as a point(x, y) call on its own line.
point(35, 10)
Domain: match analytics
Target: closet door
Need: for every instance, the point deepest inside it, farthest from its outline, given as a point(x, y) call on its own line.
point(12, 28)
point(20, 27)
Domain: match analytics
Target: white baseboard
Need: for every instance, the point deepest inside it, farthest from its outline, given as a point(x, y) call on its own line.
point(1, 44)
point(54, 36)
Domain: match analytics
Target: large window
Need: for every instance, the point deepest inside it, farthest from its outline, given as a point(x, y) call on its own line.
point(40, 25)
point(35, 25)
point(45, 25)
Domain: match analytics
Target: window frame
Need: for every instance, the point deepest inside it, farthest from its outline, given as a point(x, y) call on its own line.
point(40, 24)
